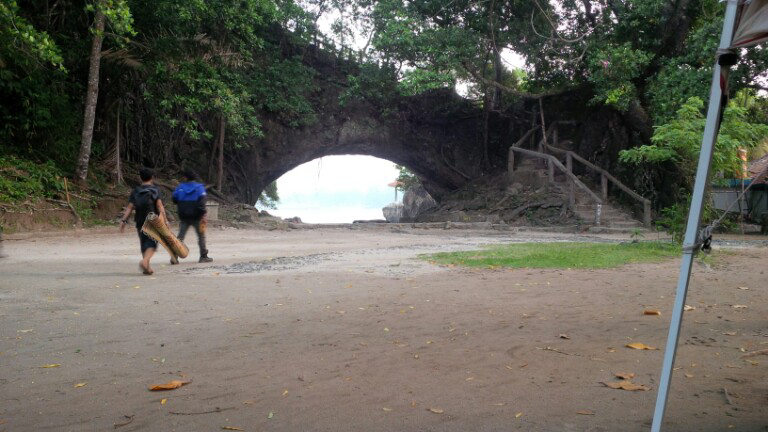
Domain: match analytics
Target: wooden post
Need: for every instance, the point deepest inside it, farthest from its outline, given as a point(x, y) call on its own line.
point(543, 142)
point(598, 211)
point(604, 185)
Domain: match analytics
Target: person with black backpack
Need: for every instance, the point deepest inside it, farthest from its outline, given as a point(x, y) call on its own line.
point(145, 198)
point(190, 197)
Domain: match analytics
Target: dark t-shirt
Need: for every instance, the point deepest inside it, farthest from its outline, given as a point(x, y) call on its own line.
point(144, 194)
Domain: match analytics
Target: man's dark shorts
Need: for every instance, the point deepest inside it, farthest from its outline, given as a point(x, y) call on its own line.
point(146, 241)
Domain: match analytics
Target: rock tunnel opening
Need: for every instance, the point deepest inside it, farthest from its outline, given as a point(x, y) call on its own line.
point(337, 189)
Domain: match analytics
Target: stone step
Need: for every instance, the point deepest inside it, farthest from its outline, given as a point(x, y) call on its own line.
point(613, 217)
point(607, 212)
point(614, 230)
point(624, 224)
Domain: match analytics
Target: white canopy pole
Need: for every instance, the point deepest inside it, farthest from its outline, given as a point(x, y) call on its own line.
point(694, 217)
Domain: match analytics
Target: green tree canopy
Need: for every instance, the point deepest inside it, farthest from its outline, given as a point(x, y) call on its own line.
point(679, 141)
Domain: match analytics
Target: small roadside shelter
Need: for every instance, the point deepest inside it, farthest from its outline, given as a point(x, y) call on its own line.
point(757, 199)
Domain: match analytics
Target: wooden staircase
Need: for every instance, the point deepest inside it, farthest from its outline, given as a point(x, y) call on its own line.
point(543, 167)
point(612, 217)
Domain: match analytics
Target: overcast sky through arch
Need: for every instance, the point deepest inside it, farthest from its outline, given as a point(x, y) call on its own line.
point(337, 189)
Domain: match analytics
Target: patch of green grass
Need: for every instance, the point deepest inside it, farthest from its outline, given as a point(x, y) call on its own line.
point(560, 255)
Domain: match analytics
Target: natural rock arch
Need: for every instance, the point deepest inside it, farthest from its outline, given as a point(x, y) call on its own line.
point(440, 136)
point(439, 150)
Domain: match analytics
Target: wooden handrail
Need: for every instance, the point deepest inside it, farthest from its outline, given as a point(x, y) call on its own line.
point(571, 176)
point(613, 179)
point(525, 137)
point(606, 176)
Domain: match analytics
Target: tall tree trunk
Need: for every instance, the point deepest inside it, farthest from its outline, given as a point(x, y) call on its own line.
point(91, 96)
point(118, 167)
point(220, 170)
point(487, 106)
point(497, 66)
point(499, 69)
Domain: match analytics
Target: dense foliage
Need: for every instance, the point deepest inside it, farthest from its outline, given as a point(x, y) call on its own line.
point(175, 75)
point(627, 50)
point(679, 141)
point(21, 179)
point(406, 179)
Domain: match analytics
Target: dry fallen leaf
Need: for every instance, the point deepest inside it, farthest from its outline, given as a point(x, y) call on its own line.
point(163, 401)
point(585, 412)
point(640, 346)
point(625, 385)
point(518, 415)
point(231, 428)
point(48, 366)
point(651, 312)
point(687, 375)
point(729, 333)
point(78, 385)
point(169, 385)
point(688, 308)
point(387, 409)
point(436, 410)
point(564, 336)
point(743, 288)
point(625, 375)
point(740, 306)
point(285, 392)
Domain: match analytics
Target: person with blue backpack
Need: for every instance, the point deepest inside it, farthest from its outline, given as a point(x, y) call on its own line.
point(190, 197)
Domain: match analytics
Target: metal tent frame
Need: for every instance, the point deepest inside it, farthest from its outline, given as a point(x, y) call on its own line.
point(693, 238)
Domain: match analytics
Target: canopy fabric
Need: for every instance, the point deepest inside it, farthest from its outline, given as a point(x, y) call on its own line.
point(753, 24)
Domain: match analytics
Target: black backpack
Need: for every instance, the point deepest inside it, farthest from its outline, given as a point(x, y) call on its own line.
point(145, 200)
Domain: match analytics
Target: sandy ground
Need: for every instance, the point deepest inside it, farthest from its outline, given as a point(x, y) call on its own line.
point(346, 330)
